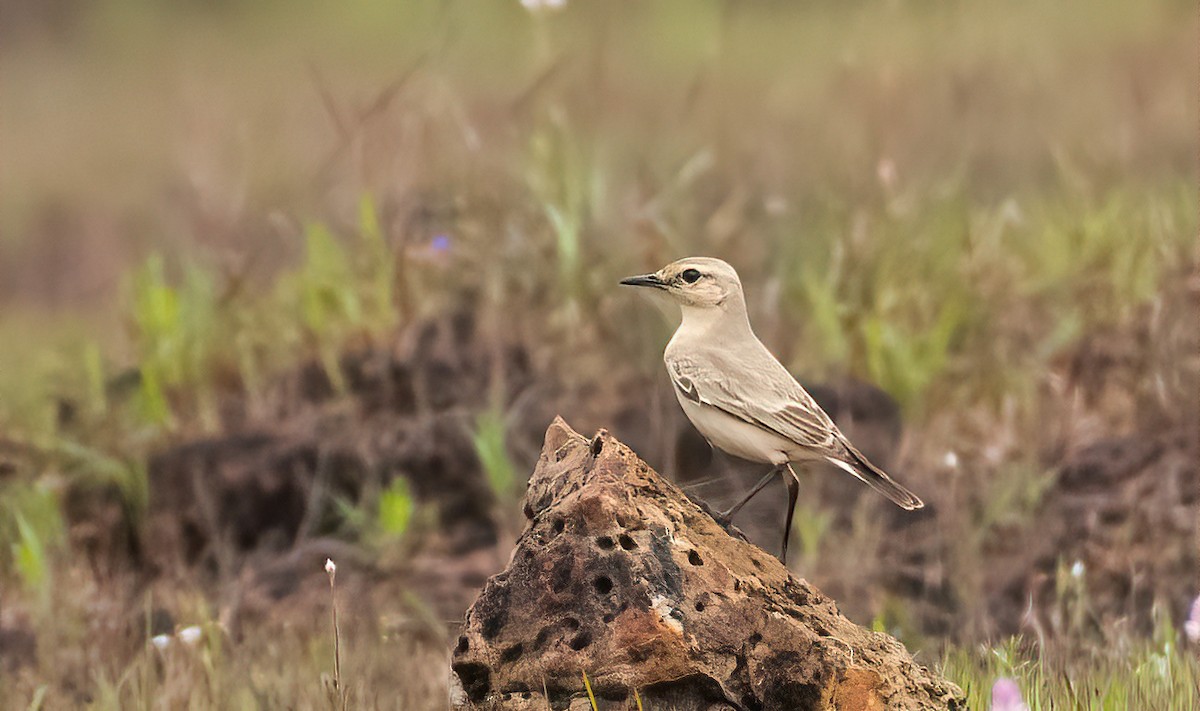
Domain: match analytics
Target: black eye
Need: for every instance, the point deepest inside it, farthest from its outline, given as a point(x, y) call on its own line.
point(690, 275)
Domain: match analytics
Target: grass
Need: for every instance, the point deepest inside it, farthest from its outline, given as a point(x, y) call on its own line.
point(587, 685)
point(940, 200)
point(337, 691)
point(491, 448)
point(1157, 674)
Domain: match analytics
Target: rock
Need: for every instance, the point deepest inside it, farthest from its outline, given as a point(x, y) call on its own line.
point(619, 575)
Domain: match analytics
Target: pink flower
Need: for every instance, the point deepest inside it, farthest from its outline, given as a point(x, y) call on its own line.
point(1191, 628)
point(1006, 696)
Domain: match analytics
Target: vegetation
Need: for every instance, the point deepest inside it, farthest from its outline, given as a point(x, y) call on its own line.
point(940, 200)
point(1150, 674)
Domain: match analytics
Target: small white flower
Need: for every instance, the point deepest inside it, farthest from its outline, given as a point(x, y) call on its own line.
point(1010, 213)
point(950, 460)
point(190, 635)
point(539, 5)
point(1191, 628)
point(330, 567)
point(1078, 569)
point(885, 170)
point(776, 205)
point(161, 641)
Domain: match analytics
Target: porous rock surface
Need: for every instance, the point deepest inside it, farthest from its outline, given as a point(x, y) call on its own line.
point(620, 576)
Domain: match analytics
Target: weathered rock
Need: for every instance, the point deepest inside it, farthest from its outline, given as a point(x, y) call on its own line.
point(621, 576)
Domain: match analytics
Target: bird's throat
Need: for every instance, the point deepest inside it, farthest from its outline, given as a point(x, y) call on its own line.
point(713, 322)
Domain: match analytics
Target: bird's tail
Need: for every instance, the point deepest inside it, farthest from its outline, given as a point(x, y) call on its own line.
point(855, 463)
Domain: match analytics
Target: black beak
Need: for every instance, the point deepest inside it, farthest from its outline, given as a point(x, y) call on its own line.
point(645, 280)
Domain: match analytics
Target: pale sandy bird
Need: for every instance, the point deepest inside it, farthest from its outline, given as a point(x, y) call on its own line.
point(739, 396)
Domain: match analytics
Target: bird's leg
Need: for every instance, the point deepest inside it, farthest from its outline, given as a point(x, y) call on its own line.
point(793, 485)
point(726, 516)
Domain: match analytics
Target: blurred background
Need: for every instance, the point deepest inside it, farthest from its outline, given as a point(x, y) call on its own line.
point(288, 281)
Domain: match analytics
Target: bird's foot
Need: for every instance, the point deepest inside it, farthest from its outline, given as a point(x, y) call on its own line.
point(723, 519)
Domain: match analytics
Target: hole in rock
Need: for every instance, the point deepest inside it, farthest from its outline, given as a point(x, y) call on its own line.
point(605, 543)
point(559, 525)
point(603, 584)
point(582, 640)
point(492, 625)
point(694, 558)
point(699, 606)
point(476, 680)
point(755, 638)
point(463, 645)
point(627, 542)
point(512, 654)
point(613, 694)
point(561, 577)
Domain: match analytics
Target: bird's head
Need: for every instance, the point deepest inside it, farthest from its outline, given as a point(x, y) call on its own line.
point(696, 283)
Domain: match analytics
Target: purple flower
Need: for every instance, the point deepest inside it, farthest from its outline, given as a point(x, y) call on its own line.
point(1191, 628)
point(1006, 696)
point(440, 243)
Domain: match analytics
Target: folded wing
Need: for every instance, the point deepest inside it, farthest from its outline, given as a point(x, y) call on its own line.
point(767, 397)
point(762, 392)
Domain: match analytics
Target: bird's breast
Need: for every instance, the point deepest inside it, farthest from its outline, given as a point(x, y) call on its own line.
point(735, 436)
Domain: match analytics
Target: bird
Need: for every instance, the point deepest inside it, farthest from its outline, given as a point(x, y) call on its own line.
point(740, 397)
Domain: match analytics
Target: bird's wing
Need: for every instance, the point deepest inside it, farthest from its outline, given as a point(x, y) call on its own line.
point(752, 386)
point(760, 392)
